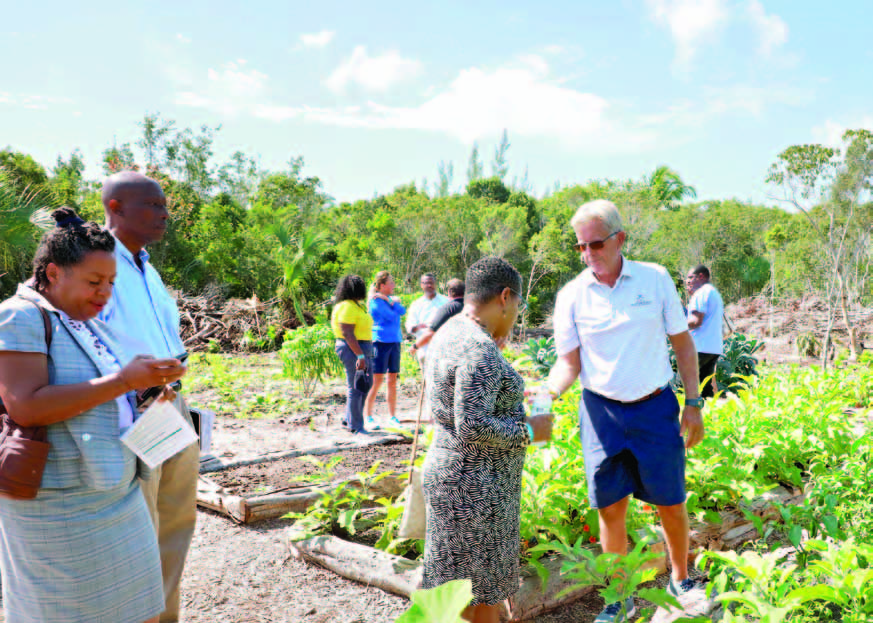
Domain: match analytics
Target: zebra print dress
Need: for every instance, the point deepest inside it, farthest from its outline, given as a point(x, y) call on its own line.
point(472, 472)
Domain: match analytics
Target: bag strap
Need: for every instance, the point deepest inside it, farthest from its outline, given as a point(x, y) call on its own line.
point(47, 325)
point(417, 428)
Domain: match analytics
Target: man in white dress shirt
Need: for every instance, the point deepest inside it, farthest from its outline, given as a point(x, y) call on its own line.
point(422, 311)
point(611, 324)
point(146, 320)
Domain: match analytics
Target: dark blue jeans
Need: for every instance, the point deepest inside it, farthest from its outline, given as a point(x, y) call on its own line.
point(354, 415)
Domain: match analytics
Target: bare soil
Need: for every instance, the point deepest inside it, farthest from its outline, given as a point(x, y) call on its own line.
point(264, 478)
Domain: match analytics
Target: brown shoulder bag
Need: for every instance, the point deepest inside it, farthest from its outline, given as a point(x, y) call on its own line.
point(23, 449)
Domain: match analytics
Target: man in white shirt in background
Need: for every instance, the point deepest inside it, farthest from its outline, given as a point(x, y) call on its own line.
point(422, 310)
point(145, 319)
point(705, 311)
point(611, 328)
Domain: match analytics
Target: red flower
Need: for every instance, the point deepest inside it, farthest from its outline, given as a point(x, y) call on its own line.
point(586, 528)
point(592, 540)
point(647, 508)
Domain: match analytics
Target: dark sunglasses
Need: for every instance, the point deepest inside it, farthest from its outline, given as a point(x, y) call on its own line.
point(594, 245)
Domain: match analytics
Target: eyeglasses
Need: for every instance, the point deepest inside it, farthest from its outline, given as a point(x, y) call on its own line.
point(594, 245)
point(522, 303)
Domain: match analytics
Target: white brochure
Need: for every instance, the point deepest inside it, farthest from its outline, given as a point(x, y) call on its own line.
point(159, 433)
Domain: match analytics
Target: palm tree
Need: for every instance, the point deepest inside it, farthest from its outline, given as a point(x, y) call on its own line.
point(20, 216)
point(669, 187)
point(296, 254)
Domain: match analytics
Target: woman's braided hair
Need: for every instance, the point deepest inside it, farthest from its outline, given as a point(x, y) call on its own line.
point(68, 244)
point(488, 277)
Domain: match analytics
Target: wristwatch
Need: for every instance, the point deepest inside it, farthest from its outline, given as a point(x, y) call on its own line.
point(695, 402)
point(361, 356)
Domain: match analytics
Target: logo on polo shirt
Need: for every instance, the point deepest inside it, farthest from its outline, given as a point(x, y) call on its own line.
point(640, 301)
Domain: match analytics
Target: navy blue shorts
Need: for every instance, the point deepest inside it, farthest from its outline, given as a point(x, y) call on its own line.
point(632, 449)
point(386, 357)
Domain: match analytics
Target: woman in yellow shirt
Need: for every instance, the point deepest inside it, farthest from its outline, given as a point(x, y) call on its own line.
point(353, 329)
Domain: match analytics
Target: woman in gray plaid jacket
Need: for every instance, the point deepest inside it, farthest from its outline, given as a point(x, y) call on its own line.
point(84, 550)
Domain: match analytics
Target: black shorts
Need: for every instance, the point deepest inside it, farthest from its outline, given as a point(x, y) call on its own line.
point(386, 357)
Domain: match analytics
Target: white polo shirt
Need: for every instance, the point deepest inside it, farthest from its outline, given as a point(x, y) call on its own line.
point(621, 332)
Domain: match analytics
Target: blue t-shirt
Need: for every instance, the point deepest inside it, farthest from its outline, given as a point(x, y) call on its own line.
point(386, 320)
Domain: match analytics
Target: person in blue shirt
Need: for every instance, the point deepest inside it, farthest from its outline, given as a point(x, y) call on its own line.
point(386, 311)
point(145, 318)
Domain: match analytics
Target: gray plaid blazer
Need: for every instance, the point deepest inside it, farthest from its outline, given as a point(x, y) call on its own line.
point(85, 450)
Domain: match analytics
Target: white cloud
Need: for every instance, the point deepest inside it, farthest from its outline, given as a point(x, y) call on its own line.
point(772, 29)
point(182, 38)
point(691, 23)
point(317, 39)
point(32, 102)
point(231, 90)
point(373, 73)
point(480, 103)
point(831, 132)
point(754, 100)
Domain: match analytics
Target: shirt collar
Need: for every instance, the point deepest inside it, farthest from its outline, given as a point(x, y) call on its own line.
point(125, 253)
point(628, 270)
point(30, 294)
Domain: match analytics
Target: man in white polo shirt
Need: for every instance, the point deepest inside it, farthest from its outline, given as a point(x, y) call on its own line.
point(705, 311)
point(611, 328)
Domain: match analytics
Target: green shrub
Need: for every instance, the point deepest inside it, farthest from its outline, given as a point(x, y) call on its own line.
point(308, 357)
point(737, 363)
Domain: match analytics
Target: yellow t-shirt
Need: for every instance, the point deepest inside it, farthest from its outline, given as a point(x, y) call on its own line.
point(349, 312)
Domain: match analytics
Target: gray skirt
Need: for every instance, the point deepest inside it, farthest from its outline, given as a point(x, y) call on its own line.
point(80, 556)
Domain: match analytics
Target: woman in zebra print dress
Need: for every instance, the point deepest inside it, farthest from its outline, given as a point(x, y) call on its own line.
point(472, 473)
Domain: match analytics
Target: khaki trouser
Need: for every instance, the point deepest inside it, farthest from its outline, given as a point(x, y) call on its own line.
point(171, 495)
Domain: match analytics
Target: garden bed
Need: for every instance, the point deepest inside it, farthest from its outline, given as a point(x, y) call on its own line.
point(401, 576)
point(273, 485)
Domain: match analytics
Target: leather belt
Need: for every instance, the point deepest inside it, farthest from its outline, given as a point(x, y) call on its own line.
point(646, 397)
point(657, 392)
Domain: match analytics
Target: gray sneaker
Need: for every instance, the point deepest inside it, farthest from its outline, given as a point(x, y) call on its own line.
point(612, 612)
point(683, 587)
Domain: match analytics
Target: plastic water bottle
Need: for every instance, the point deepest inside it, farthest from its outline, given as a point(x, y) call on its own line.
point(540, 404)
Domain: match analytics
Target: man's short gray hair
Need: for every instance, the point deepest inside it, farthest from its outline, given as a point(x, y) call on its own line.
point(598, 210)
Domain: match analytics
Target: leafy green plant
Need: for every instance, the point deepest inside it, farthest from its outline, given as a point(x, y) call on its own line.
point(338, 511)
point(737, 363)
point(266, 342)
point(618, 576)
point(440, 604)
point(540, 354)
point(758, 585)
point(308, 357)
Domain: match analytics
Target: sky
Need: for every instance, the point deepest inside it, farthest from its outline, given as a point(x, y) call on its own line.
point(376, 94)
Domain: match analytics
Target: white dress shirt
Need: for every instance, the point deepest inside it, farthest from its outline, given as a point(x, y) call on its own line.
point(422, 311)
point(621, 331)
point(141, 312)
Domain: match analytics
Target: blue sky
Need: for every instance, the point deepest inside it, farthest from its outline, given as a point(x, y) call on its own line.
point(376, 94)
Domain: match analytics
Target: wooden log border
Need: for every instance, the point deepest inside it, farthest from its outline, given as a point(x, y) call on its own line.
point(400, 576)
point(254, 508)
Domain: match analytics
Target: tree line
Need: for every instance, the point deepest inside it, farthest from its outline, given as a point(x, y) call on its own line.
point(246, 231)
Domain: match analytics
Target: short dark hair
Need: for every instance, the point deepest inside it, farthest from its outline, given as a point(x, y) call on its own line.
point(68, 244)
point(488, 277)
point(700, 269)
point(455, 288)
point(428, 276)
point(350, 288)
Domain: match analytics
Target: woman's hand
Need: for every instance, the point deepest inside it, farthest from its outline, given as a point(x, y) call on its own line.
point(542, 426)
point(168, 395)
point(361, 364)
point(145, 371)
